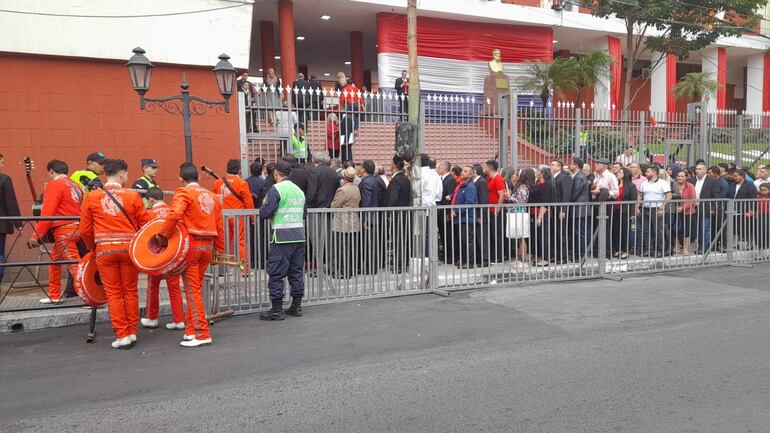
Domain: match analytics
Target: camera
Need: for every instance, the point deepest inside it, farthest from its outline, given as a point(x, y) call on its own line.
point(91, 184)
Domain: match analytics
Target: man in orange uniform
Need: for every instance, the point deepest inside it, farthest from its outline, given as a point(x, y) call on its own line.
point(236, 196)
point(159, 209)
point(201, 213)
point(109, 219)
point(61, 197)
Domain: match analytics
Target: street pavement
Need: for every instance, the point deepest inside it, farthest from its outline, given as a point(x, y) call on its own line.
point(680, 352)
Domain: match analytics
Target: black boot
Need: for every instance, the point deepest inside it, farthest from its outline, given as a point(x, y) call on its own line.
point(275, 313)
point(296, 308)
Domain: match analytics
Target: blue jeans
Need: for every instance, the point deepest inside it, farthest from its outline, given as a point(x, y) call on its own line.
point(2, 255)
point(704, 233)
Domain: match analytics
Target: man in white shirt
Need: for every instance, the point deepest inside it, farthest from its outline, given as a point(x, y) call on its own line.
point(430, 183)
point(651, 202)
point(604, 180)
point(763, 176)
point(627, 158)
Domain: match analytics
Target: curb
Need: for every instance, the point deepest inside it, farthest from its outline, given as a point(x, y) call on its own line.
point(42, 319)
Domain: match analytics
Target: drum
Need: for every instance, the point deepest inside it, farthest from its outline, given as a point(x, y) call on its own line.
point(160, 258)
point(88, 285)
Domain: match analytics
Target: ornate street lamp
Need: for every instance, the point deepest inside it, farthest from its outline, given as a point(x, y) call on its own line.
point(140, 73)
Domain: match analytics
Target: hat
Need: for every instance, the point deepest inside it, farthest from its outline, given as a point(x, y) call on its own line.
point(283, 167)
point(604, 161)
point(149, 163)
point(349, 174)
point(300, 125)
point(96, 157)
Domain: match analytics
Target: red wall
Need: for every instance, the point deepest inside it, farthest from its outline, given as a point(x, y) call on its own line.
point(65, 108)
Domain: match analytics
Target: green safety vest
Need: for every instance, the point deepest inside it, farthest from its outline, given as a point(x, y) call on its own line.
point(150, 184)
point(80, 173)
point(288, 221)
point(298, 146)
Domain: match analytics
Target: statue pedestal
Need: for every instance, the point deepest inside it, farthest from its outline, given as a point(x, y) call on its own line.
point(495, 84)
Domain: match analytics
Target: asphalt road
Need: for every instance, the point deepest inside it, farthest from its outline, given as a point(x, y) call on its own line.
point(684, 352)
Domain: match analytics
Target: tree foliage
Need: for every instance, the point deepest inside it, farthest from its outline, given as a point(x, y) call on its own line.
point(565, 75)
point(695, 86)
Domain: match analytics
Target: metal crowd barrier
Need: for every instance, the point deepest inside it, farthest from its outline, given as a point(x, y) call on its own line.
point(365, 253)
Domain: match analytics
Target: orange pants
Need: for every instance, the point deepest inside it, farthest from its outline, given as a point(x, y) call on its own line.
point(241, 239)
point(119, 277)
point(174, 296)
point(64, 248)
point(195, 316)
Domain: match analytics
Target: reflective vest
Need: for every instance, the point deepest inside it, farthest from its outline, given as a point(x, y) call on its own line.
point(298, 146)
point(288, 220)
point(80, 173)
point(150, 184)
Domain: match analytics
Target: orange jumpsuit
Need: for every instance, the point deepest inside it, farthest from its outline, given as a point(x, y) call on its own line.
point(106, 230)
point(61, 197)
point(229, 201)
point(201, 213)
point(161, 210)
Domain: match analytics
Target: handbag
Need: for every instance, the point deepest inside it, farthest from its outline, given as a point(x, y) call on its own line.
point(517, 225)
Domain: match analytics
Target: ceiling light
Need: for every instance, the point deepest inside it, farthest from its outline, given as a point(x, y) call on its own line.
point(277, 57)
point(326, 74)
point(326, 17)
point(555, 41)
point(300, 38)
point(348, 62)
point(260, 69)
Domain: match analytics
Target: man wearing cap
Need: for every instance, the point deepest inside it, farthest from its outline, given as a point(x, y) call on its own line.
point(94, 169)
point(147, 181)
point(605, 186)
point(285, 207)
point(299, 144)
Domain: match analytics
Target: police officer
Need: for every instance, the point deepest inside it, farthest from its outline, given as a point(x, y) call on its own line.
point(94, 169)
point(147, 181)
point(299, 144)
point(285, 206)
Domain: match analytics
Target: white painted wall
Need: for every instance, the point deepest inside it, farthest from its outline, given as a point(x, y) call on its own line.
point(658, 86)
point(193, 39)
point(709, 64)
point(754, 83)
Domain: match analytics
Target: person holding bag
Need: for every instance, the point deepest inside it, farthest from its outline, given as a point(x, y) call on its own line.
point(517, 220)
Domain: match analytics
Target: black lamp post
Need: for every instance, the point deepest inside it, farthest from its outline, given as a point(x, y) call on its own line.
point(140, 72)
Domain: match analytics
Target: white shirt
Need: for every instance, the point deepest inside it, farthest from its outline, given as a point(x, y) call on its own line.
point(758, 182)
point(625, 160)
point(699, 185)
point(608, 181)
point(430, 186)
point(655, 193)
point(737, 188)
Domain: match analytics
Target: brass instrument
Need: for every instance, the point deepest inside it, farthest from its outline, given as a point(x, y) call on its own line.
point(227, 260)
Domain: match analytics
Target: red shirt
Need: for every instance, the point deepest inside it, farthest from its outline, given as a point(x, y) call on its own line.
point(103, 223)
point(229, 201)
point(159, 210)
point(495, 185)
point(61, 197)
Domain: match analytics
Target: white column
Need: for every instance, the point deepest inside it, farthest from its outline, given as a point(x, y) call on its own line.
point(754, 82)
point(710, 63)
point(602, 88)
point(659, 85)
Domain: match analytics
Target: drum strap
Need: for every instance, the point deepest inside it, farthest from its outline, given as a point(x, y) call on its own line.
point(117, 203)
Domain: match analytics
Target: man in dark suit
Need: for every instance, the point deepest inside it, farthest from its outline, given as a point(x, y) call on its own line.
point(8, 207)
point(299, 174)
point(581, 213)
point(317, 97)
point(706, 188)
point(448, 186)
point(323, 182)
point(302, 97)
point(559, 221)
point(402, 90)
point(740, 189)
point(259, 236)
point(372, 238)
point(482, 218)
point(399, 194)
point(239, 82)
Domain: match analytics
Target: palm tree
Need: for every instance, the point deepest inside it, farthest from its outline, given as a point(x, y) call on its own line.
point(588, 69)
point(545, 79)
point(695, 86)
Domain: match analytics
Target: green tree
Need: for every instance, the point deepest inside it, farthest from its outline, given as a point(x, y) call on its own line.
point(588, 69)
point(678, 27)
point(545, 79)
point(695, 85)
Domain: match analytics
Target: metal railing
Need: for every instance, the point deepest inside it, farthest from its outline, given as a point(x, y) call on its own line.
point(365, 253)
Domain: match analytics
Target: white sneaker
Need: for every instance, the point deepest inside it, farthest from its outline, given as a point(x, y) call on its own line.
point(195, 342)
point(147, 323)
point(50, 301)
point(121, 343)
point(175, 326)
point(188, 337)
point(132, 337)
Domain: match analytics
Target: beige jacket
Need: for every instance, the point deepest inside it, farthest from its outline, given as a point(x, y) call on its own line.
point(347, 197)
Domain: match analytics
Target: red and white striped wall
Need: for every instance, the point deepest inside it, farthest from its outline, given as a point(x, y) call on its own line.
point(758, 83)
point(453, 55)
point(715, 61)
point(663, 78)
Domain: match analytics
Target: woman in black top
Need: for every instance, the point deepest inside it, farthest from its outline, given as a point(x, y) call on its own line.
point(544, 193)
point(621, 214)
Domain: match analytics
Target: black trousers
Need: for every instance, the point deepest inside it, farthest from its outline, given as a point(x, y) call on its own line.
point(465, 246)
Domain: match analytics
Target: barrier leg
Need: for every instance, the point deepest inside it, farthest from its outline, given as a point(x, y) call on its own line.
point(91, 326)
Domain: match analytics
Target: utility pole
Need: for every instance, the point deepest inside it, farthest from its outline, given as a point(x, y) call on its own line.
point(414, 97)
